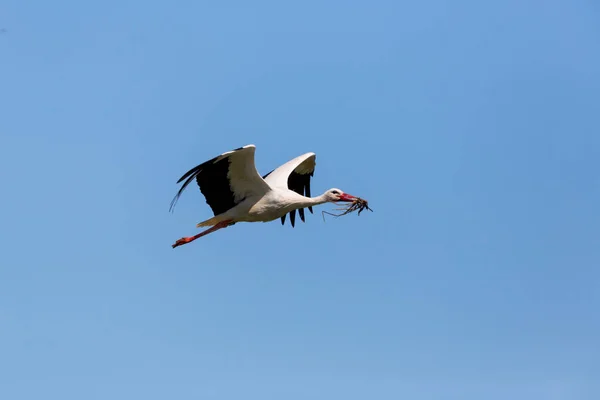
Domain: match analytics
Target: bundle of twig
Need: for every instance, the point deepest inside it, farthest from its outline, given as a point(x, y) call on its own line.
point(358, 204)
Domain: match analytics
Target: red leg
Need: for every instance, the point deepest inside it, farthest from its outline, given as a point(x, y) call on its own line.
point(185, 240)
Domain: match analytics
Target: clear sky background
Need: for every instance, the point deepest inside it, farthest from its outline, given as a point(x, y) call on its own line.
point(472, 127)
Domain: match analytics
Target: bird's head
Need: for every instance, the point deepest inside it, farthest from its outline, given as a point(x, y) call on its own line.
point(334, 195)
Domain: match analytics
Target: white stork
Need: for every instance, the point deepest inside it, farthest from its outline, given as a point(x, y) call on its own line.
point(236, 192)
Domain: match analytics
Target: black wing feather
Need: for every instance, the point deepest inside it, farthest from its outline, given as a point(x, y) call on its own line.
point(211, 177)
point(299, 183)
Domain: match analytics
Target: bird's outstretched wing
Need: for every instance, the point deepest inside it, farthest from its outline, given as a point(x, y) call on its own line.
point(294, 175)
point(226, 180)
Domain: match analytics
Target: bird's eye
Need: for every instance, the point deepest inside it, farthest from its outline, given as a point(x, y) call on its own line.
point(335, 192)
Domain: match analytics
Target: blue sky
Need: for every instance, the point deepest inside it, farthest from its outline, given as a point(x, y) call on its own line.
point(471, 127)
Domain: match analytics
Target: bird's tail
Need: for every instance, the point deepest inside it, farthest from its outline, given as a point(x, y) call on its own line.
point(209, 222)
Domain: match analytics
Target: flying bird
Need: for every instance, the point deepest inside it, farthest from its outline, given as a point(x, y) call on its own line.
point(236, 192)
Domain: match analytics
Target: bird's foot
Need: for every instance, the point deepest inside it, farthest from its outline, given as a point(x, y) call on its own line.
point(181, 241)
point(184, 240)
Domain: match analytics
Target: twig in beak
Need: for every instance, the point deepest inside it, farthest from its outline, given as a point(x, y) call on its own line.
point(358, 204)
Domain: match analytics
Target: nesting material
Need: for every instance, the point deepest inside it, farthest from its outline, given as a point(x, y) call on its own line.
point(357, 205)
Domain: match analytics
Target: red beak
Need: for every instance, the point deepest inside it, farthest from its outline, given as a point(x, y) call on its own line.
point(347, 197)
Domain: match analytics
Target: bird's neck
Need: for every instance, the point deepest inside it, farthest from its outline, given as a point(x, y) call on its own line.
point(313, 201)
